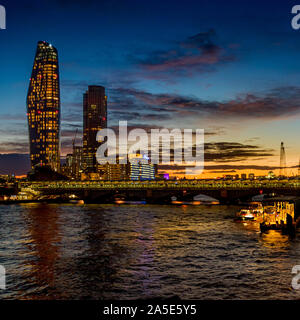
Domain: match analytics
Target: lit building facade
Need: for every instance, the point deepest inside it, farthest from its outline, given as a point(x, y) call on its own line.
point(140, 168)
point(43, 108)
point(72, 167)
point(77, 160)
point(94, 119)
point(66, 168)
point(116, 172)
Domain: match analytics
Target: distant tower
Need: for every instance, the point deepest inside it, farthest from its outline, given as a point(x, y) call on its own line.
point(43, 108)
point(282, 161)
point(94, 119)
point(299, 169)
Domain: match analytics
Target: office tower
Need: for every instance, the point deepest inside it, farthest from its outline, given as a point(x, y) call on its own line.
point(94, 119)
point(115, 172)
point(66, 168)
point(72, 167)
point(140, 168)
point(43, 108)
point(77, 162)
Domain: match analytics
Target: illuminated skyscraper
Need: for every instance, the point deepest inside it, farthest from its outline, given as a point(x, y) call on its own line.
point(94, 119)
point(43, 108)
point(140, 168)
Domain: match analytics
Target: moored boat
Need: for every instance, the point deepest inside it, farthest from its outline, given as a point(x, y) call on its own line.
point(245, 214)
point(253, 212)
point(281, 213)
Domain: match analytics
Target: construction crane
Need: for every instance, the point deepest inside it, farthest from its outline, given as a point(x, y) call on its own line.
point(74, 140)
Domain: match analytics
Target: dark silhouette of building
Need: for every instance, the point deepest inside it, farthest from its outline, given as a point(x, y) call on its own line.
point(43, 108)
point(282, 172)
point(94, 119)
point(77, 162)
point(45, 173)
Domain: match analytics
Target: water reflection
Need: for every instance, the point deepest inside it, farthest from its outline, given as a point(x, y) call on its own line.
point(43, 227)
point(142, 251)
point(274, 238)
point(269, 238)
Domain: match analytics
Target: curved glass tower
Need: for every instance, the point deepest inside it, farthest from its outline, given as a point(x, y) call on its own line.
point(43, 108)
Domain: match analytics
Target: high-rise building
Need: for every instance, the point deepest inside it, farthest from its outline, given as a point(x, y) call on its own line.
point(72, 167)
point(140, 168)
point(66, 168)
point(43, 108)
point(94, 119)
point(114, 172)
point(77, 162)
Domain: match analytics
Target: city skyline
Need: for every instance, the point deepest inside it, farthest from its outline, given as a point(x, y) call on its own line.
point(199, 75)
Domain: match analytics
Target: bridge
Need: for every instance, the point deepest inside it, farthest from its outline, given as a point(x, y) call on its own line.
point(163, 191)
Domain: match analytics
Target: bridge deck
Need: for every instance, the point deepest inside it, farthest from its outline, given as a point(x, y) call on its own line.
point(162, 185)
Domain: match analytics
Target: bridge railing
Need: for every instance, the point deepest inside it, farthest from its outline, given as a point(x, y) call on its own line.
point(193, 184)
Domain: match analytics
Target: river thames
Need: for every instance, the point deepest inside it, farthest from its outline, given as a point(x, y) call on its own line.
point(64, 251)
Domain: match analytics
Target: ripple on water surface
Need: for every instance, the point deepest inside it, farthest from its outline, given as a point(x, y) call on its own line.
point(141, 251)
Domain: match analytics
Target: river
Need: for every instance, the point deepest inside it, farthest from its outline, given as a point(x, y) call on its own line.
point(64, 251)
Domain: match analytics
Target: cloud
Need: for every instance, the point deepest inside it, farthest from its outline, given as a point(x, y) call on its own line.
point(175, 169)
point(276, 103)
point(234, 151)
point(14, 147)
point(194, 55)
point(220, 153)
point(223, 171)
point(148, 110)
point(230, 152)
point(15, 116)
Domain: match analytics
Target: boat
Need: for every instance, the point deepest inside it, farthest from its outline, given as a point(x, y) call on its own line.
point(245, 214)
point(256, 208)
point(253, 212)
point(281, 213)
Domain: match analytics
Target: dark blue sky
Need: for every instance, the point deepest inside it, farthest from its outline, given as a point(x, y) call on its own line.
point(230, 67)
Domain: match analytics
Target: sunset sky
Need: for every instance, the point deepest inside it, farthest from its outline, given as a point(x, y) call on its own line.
point(229, 67)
